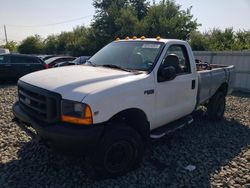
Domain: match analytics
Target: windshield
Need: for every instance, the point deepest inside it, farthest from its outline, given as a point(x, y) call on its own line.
point(136, 55)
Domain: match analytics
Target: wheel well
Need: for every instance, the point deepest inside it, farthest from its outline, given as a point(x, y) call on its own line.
point(134, 118)
point(223, 88)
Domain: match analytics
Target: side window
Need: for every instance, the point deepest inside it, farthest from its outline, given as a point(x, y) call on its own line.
point(30, 60)
point(4, 59)
point(1, 59)
point(38, 61)
point(22, 60)
point(17, 59)
point(182, 65)
point(57, 61)
point(33, 60)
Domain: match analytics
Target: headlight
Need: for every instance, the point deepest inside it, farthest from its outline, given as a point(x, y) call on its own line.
point(76, 112)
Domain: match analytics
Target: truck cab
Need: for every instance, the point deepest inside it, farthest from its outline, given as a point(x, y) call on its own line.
point(108, 108)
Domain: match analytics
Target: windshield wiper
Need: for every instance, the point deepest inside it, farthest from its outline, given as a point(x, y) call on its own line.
point(116, 67)
point(90, 63)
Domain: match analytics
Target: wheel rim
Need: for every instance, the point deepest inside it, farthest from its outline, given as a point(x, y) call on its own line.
point(119, 156)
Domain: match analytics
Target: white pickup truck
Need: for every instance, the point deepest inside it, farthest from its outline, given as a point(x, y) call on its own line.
point(129, 91)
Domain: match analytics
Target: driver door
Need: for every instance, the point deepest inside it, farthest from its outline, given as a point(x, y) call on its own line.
point(177, 97)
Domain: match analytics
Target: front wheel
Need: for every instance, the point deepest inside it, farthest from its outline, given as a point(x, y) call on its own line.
point(216, 106)
point(119, 151)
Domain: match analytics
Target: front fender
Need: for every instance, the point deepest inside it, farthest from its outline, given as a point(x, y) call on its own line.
point(105, 104)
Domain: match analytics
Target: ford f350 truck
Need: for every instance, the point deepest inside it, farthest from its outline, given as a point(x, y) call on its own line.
point(129, 91)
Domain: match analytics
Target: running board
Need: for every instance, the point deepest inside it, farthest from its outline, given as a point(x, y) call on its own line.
point(171, 127)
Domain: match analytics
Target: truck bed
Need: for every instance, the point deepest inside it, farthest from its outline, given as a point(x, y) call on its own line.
point(211, 79)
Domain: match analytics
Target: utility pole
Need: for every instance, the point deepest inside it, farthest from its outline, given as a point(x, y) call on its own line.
point(5, 32)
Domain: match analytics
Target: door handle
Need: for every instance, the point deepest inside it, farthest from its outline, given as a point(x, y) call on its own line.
point(193, 84)
point(7, 65)
point(27, 65)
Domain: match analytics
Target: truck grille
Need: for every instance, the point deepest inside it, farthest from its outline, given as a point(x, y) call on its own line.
point(41, 104)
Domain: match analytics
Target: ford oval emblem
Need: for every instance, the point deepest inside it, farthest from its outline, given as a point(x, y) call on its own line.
point(27, 101)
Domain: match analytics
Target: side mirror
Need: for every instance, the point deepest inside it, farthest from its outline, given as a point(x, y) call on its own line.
point(166, 73)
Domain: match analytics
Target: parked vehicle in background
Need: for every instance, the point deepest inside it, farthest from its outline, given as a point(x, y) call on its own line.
point(14, 66)
point(81, 60)
point(45, 57)
point(128, 92)
point(4, 51)
point(51, 62)
point(78, 61)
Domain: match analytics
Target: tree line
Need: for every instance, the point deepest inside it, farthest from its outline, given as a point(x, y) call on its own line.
point(122, 18)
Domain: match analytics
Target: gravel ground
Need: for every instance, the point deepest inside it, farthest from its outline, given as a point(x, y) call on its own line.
point(220, 152)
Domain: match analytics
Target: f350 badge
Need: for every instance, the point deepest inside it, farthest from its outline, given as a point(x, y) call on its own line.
point(149, 92)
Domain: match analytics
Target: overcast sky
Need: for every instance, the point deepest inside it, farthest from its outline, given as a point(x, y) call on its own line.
point(20, 15)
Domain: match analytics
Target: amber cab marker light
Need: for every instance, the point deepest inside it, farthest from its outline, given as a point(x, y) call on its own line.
point(127, 38)
point(158, 38)
point(117, 39)
point(134, 37)
point(142, 37)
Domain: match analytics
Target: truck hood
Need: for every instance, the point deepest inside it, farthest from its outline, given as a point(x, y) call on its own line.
point(75, 82)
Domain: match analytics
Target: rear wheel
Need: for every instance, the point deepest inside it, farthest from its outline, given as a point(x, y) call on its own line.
point(216, 106)
point(119, 151)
